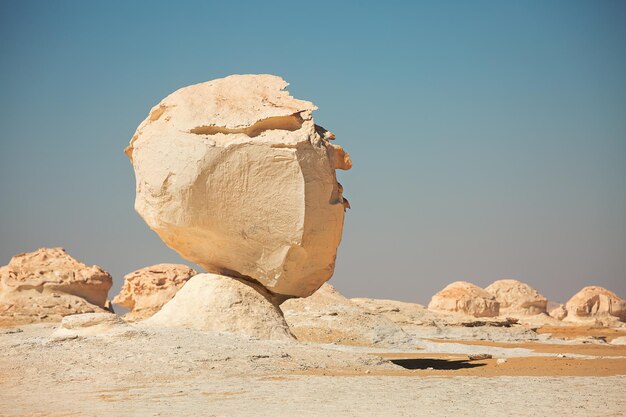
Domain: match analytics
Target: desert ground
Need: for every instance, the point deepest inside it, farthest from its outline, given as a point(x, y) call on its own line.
point(144, 371)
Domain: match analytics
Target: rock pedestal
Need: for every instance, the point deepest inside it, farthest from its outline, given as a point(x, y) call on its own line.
point(218, 303)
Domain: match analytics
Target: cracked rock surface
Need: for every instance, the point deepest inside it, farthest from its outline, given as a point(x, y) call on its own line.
point(234, 175)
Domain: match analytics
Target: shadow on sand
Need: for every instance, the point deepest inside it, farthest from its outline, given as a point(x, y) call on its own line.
point(435, 364)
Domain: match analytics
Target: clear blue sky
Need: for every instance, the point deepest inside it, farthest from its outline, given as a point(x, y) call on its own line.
point(488, 137)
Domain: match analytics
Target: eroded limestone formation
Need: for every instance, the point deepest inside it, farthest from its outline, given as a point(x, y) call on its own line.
point(146, 290)
point(465, 298)
point(47, 285)
point(235, 176)
point(595, 302)
point(517, 298)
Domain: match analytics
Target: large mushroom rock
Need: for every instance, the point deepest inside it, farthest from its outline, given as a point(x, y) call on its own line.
point(212, 302)
point(329, 317)
point(517, 298)
point(594, 302)
point(146, 290)
point(47, 285)
point(235, 176)
point(465, 298)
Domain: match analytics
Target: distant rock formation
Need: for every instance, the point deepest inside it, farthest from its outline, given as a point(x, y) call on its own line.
point(234, 175)
point(146, 290)
point(517, 298)
point(594, 302)
point(47, 285)
point(407, 315)
point(465, 298)
point(217, 303)
point(329, 317)
point(559, 312)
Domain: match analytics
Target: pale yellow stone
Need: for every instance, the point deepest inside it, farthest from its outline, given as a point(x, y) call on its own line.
point(234, 175)
point(517, 298)
point(146, 290)
point(465, 298)
point(48, 284)
point(595, 302)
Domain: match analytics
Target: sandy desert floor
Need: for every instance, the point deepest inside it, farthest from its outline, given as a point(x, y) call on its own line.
point(170, 372)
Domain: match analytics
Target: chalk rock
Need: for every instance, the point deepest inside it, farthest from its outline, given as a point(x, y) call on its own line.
point(234, 175)
point(517, 298)
point(90, 324)
point(47, 285)
point(465, 298)
point(595, 302)
point(329, 317)
point(559, 312)
point(619, 341)
point(217, 303)
point(146, 290)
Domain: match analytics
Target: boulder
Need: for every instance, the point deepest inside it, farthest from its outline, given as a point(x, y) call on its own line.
point(465, 298)
point(594, 302)
point(146, 290)
point(517, 298)
point(212, 302)
point(235, 176)
point(47, 285)
point(329, 317)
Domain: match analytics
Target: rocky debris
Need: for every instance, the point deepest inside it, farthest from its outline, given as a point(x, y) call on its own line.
point(517, 298)
point(90, 324)
point(250, 190)
point(559, 312)
point(465, 298)
point(506, 322)
point(47, 285)
point(329, 317)
point(212, 302)
point(501, 361)
point(146, 290)
point(479, 356)
point(593, 303)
